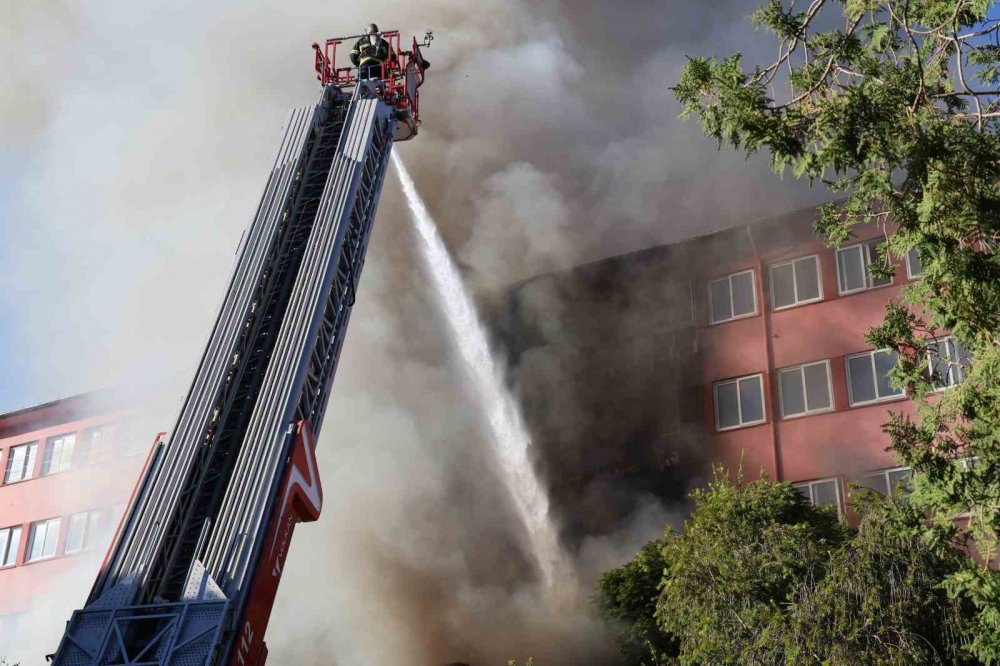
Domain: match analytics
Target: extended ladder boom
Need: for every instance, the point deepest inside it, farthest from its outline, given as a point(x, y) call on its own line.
point(191, 575)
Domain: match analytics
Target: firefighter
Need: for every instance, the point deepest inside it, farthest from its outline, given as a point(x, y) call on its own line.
point(370, 53)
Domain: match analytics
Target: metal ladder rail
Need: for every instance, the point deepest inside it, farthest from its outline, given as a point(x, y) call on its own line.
point(315, 395)
point(318, 294)
point(272, 415)
point(127, 559)
point(243, 387)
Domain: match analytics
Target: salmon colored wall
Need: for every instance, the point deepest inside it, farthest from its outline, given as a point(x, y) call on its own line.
point(62, 494)
point(845, 442)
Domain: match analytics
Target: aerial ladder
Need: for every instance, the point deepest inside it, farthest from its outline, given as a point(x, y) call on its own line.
point(193, 569)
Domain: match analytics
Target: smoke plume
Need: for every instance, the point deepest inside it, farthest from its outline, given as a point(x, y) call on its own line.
point(136, 138)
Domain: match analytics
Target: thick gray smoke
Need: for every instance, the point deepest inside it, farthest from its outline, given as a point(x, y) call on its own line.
point(135, 140)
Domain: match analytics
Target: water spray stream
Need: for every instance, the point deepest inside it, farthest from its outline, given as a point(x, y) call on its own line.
point(509, 434)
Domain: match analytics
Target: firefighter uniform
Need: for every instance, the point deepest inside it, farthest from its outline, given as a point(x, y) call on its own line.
point(369, 56)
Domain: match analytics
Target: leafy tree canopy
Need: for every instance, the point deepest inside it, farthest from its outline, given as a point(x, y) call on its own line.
point(897, 111)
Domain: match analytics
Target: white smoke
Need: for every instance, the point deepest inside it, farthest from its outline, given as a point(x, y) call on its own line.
point(134, 140)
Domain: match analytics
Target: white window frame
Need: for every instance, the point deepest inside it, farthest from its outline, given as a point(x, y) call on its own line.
point(739, 403)
point(910, 275)
point(756, 306)
point(949, 340)
point(795, 284)
point(885, 474)
point(5, 552)
point(850, 391)
point(801, 368)
point(50, 523)
point(30, 462)
point(85, 445)
point(61, 440)
point(91, 521)
point(867, 260)
point(809, 485)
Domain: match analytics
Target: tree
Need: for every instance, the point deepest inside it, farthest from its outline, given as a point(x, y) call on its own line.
point(627, 595)
point(898, 110)
point(758, 575)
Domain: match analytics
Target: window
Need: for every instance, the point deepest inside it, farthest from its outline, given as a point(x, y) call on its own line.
point(946, 362)
point(58, 456)
point(84, 530)
point(854, 267)
point(825, 492)
point(805, 389)
point(739, 402)
point(868, 377)
point(96, 446)
point(795, 282)
point(732, 297)
point(914, 267)
point(20, 462)
point(886, 481)
point(42, 539)
point(10, 541)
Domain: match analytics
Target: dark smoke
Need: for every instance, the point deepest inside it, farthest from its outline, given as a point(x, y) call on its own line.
point(138, 135)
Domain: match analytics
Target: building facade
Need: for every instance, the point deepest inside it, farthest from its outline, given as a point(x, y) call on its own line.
point(743, 348)
point(68, 468)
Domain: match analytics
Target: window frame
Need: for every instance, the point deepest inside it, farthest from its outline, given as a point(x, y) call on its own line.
point(885, 474)
point(51, 441)
point(759, 376)
point(867, 261)
point(83, 452)
point(837, 485)
point(953, 366)
point(910, 275)
point(795, 282)
point(756, 306)
point(31, 539)
point(28, 471)
point(6, 549)
point(808, 412)
point(91, 528)
point(850, 391)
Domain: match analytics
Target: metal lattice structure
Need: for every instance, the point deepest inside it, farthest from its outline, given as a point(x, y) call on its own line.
point(192, 572)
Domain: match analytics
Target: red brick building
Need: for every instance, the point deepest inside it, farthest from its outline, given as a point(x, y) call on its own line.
point(742, 347)
point(68, 468)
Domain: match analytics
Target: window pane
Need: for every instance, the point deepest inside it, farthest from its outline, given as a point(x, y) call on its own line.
point(93, 528)
point(938, 366)
point(825, 493)
point(36, 541)
point(803, 490)
point(13, 546)
point(721, 304)
point(29, 463)
point(74, 538)
point(817, 386)
point(861, 378)
point(851, 269)
point(743, 296)
point(52, 448)
point(4, 541)
point(727, 405)
point(876, 482)
point(913, 266)
point(782, 286)
point(806, 279)
point(899, 481)
point(15, 464)
point(876, 259)
point(751, 400)
point(884, 362)
point(792, 400)
point(51, 537)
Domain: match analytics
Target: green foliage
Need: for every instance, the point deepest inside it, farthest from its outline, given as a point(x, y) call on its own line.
point(758, 575)
point(898, 111)
point(735, 564)
point(628, 596)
